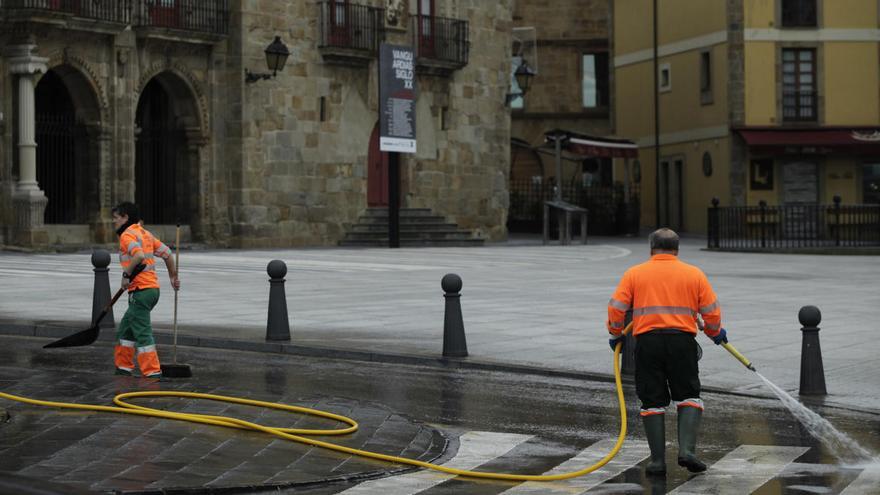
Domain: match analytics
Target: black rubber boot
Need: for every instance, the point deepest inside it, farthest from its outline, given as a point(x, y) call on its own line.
point(655, 430)
point(688, 425)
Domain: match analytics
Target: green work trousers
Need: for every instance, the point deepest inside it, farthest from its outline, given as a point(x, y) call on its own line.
point(135, 325)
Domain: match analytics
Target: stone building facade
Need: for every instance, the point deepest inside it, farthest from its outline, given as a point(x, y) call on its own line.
point(148, 100)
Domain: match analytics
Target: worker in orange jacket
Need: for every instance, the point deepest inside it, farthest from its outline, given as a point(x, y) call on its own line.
point(135, 333)
point(667, 296)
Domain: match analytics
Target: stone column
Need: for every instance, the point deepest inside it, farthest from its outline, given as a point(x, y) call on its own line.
point(29, 202)
point(199, 178)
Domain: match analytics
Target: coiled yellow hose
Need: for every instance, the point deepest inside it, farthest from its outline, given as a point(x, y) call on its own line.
point(295, 435)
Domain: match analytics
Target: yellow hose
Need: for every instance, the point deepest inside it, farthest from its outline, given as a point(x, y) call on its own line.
point(295, 434)
point(735, 353)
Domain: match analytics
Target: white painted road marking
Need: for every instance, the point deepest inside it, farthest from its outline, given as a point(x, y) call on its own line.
point(476, 448)
point(742, 471)
point(632, 453)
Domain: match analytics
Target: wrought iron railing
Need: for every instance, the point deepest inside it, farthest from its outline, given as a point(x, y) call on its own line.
point(609, 213)
point(116, 11)
point(800, 106)
point(793, 226)
point(442, 39)
point(346, 25)
point(203, 16)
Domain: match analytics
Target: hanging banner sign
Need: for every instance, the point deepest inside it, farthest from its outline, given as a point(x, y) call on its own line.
point(397, 99)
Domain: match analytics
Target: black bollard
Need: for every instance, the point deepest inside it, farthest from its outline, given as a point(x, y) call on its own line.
point(277, 326)
point(454, 343)
point(812, 372)
point(627, 355)
point(101, 291)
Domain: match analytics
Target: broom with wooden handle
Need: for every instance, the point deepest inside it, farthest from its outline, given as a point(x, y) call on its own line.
point(176, 370)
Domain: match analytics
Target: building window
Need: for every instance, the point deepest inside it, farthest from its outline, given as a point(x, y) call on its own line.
point(594, 80)
point(665, 77)
point(799, 85)
point(799, 13)
point(705, 77)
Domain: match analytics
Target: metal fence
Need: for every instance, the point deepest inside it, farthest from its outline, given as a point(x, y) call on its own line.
point(117, 11)
point(345, 25)
point(608, 212)
point(440, 38)
point(204, 16)
point(794, 226)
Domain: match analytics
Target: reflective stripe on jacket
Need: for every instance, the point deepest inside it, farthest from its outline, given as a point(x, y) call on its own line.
point(137, 239)
point(664, 292)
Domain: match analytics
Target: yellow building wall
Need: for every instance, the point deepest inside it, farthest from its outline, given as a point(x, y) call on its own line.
point(634, 25)
point(760, 81)
point(849, 14)
point(697, 189)
point(852, 79)
point(634, 100)
point(759, 14)
point(680, 108)
point(842, 179)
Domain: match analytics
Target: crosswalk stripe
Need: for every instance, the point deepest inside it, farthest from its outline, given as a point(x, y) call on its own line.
point(632, 453)
point(866, 483)
point(742, 471)
point(475, 448)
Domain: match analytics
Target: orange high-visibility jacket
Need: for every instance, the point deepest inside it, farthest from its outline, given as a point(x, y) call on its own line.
point(136, 239)
point(664, 292)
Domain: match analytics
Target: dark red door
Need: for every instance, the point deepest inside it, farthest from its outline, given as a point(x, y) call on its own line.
point(377, 172)
point(426, 28)
point(340, 32)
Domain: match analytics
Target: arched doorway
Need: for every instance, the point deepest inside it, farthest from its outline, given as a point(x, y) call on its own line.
point(166, 172)
point(64, 148)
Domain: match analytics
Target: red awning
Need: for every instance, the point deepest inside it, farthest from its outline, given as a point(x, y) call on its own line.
point(592, 146)
point(857, 140)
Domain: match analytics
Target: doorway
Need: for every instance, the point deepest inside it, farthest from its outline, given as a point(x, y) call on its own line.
point(671, 212)
point(377, 172)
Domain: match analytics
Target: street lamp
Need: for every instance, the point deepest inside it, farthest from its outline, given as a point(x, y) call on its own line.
point(523, 76)
point(276, 56)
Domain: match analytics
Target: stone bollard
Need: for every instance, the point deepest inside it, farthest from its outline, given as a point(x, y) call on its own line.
point(812, 372)
point(628, 356)
point(454, 343)
point(101, 291)
point(277, 325)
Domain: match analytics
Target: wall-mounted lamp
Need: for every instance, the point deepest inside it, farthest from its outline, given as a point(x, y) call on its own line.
point(276, 56)
point(523, 76)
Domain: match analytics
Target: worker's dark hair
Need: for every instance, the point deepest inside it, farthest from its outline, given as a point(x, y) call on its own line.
point(130, 209)
point(663, 240)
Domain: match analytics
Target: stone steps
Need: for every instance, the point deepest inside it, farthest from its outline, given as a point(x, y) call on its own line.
point(418, 227)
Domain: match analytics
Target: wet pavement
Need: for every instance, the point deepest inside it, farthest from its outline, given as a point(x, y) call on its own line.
point(493, 421)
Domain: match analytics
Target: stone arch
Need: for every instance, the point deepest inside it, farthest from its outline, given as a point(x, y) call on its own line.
point(84, 85)
point(187, 95)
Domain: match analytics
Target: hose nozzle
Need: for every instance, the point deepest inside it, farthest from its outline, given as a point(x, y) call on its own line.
point(732, 350)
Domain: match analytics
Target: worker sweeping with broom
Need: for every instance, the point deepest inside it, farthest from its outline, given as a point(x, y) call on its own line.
point(135, 333)
point(666, 296)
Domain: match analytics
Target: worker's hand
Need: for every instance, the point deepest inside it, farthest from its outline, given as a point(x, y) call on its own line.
point(619, 339)
point(721, 338)
point(125, 283)
point(175, 282)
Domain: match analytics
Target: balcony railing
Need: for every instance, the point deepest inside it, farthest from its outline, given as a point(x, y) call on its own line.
point(794, 227)
point(799, 106)
point(203, 16)
point(115, 11)
point(443, 40)
point(350, 26)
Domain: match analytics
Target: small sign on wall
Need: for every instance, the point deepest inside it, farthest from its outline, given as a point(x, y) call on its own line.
point(761, 173)
point(397, 96)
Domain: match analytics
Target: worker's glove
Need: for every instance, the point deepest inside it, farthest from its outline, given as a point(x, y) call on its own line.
point(721, 338)
point(613, 342)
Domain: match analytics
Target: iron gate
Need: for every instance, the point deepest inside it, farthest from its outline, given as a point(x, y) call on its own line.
point(60, 140)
